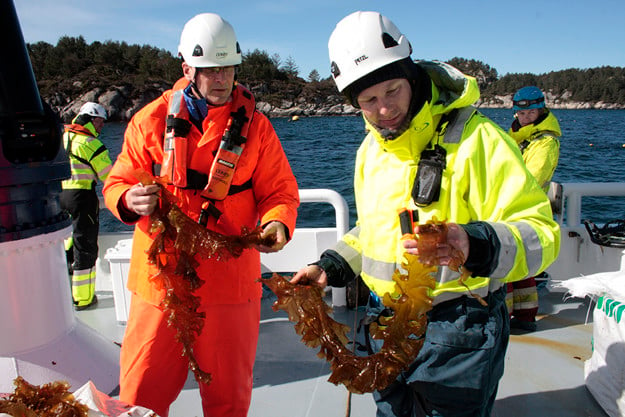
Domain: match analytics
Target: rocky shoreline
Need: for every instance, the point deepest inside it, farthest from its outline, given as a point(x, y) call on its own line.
point(552, 101)
point(121, 107)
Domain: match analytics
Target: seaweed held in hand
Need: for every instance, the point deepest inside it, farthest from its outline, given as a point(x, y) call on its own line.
point(433, 233)
point(48, 400)
point(178, 242)
point(430, 235)
point(402, 333)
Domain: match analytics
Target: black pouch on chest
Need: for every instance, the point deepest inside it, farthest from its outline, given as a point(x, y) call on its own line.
point(427, 184)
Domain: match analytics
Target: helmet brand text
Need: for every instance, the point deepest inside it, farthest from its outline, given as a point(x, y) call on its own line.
point(360, 59)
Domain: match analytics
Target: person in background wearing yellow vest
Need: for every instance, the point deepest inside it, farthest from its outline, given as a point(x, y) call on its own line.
point(197, 120)
point(537, 132)
point(90, 162)
point(427, 150)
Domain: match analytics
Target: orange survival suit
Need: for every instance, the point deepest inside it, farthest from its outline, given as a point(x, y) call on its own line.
point(152, 370)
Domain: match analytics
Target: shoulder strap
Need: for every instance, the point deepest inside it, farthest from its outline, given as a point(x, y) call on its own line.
point(536, 137)
point(174, 164)
point(180, 125)
point(456, 120)
point(245, 106)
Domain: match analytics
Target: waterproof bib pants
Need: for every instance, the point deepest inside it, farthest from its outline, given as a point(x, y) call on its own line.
point(83, 206)
point(456, 374)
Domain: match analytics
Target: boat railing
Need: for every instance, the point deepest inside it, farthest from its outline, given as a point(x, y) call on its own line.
point(572, 193)
point(578, 254)
point(306, 245)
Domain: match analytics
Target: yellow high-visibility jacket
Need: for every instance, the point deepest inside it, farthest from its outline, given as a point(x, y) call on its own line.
point(540, 146)
point(485, 180)
point(88, 157)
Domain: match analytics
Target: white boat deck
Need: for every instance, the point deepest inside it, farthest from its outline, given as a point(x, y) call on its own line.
point(544, 374)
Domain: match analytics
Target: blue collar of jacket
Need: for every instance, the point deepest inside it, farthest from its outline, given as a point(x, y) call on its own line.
point(197, 107)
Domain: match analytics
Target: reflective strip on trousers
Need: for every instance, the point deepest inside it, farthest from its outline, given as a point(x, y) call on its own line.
point(83, 286)
point(525, 298)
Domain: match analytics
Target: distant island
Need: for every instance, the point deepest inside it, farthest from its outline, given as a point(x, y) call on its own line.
point(125, 77)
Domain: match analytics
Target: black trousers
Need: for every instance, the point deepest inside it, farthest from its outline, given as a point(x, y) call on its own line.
point(84, 208)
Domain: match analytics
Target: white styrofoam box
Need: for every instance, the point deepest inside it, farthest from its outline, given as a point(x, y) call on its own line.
point(119, 260)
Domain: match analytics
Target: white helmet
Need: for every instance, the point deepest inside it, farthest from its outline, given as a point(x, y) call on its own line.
point(362, 43)
point(93, 109)
point(207, 40)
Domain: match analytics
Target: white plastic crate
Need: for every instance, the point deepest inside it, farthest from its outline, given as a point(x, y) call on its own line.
point(119, 260)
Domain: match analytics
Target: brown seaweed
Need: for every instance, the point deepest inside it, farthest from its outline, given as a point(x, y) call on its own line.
point(433, 233)
point(47, 400)
point(402, 333)
point(178, 243)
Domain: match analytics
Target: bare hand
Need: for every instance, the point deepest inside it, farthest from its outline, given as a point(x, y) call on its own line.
point(311, 274)
point(457, 241)
point(272, 228)
point(142, 199)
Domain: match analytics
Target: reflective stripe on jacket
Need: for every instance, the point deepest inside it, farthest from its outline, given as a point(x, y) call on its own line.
point(88, 157)
point(542, 151)
point(273, 195)
point(484, 180)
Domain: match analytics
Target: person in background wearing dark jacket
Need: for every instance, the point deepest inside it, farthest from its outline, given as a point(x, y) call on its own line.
point(90, 162)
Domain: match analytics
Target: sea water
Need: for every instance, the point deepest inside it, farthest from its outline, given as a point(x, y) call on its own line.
point(321, 151)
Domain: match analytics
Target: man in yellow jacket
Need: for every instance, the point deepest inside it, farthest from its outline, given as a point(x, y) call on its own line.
point(537, 132)
point(90, 162)
point(429, 151)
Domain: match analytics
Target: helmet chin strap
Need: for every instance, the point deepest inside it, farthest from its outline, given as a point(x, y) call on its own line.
point(196, 91)
point(194, 88)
